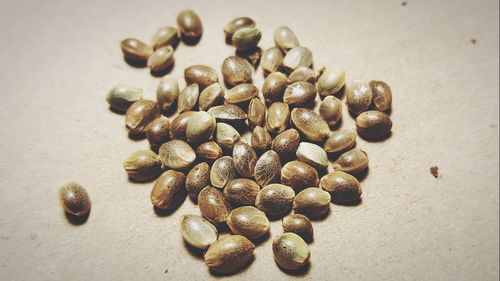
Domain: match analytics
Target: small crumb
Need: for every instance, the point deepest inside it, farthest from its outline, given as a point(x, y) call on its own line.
point(117, 66)
point(404, 3)
point(473, 41)
point(435, 171)
point(3, 237)
point(493, 125)
point(166, 271)
point(33, 236)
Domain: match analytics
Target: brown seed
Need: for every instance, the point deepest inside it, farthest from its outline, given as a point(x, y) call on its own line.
point(161, 59)
point(330, 110)
point(434, 171)
point(244, 158)
point(253, 56)
point(274, 87)
point(211, 96)
point(256, 113)
point(300, 225)
point(167, 92)
point(296, 58)
point(202, 75)
point(189, 24)
point(200, 127)
point(343, 187)
point(352, 161)
point(358, 97)
point(222, 172)
point(226, 136)
point(135, 49)
point(241, 191)
point(286, 143)
point(278, 117)
point(299, 175)
point(331, 82)
point(261, 140)
point(302, 74)
point(248, 221)
point(209, 151)
point(373, 124)
point(290, 251)
point(237, 24)
point(142, 165)
point(177, 155)
point(229, 254)
point(187, 98)
point(228, 113)
point(139, 115)
point(340, 140)
point(179, 124)
point(241, 93)
point(267, 168)
point(213, 206)
point(285, 39)
point(74, 199)
point(300, 94)
point(310, 124)
point(382, 95)
point(158, 132)
point(275, 199)
point(197, 179)
point(312, 202)
point(236, 70)
point(122, 96)
point(272, 60)
point(169, 191)
point(165, 36)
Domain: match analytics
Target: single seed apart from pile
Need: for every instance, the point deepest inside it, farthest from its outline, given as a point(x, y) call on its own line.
point(340, 140)
point(302, 74)
point(209, 151)
point(253, 56)
point(246, 38)
point(202, 75)
point(312, 202)
point(228, 113)
point(290, 251)
point(299, 175)
point(241, 191)
point(74, 199)
point(358, 97)
point(167, 92)
point(343, 188)
point(121, 97)
point(197, 232)
point(331, 82)
point(261, 140)
point(142, 165)
point(248, 221)
point(197, 179)
point(158, 132)
point(236, 70)
point(179, 124)
point(200, 127)
point(187, 98)
point(169, 190)
point(352, 161)
point(296, 58)
point(229, 253)
point(310, 124)
point(161, 59)
point(267, 168)
point(211, 96)
point(241, 93)
point(285, 39)
point(256, 113)
point(434, 171)
point(382, 95)
point(139, 115)
point(165, 36)
point(275, 199)
point(300, 225)
point(226, 136)
point(244, 158)
point(135, 49)
point(177, 155)
point(278, 117)
point(189, 24)
point(373, 124)
point(222, 172)
point(286, 143)
point(272, 60)
point(312, 154)
point(330, 110)
point(237, 24)
point(212, 205)
point(300, 94)
point(274, 87)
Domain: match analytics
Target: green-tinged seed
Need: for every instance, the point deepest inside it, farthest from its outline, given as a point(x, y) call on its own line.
point(244, 158)
point(202, 75)
point(302, 74)
point(142, 165)
point(274, 87)
point(209, 151)
point(290, 251)
point(330, 110)
point(272, 60)
point(165, 36)
point(267, 168)
point(229, 254)
point(373, 124)
point(213, 206)
point(310, 124)
point(300, 94)
point(382, 95)
point(167, 92)
point(253, 56)
point(188, 98)
point(278, 117)
point(179, 124)
point(248, 221)
point(200, 127)
point(275, 199)
point(340, 140)
point(246, 38)
point(352, 161)
point(189, 24)
point(241, 93)
point(236, 70)
point(312, 202)
point(286, 143)
point(222, 172)
point(241, 191)
point(197, 179)
point(135, 49)
point(197, 232)
point(300, 225)
point(211, 96)
point(261, 140)
point(296, 58)
point(285, 39)
point(312, 154)
point(158, 132)
point(299, 175)
point(139, 115)
point(343, 188)
point(177, 155)
point(358, 97)
point(256, 113)
point(169, 190)
point(226, 136)
point(331, 82)
point(74, 199)
point(237, 24)
point(161, 59)
point(121, 97)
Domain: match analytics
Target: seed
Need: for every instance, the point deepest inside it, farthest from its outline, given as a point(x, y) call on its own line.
point(167, 92)
point(246, 38)
point(241, 191)
point(229, 254)
point(177, 155)
point(212, 205)
point(226, 136)
point(310, 124)
point(296, 58)
point(302, 74)
point(340, 140)
point(272, 60)
point(74, 199)
point(228, 113)
point(343, 187)
point(373, 124)
point(165, 36)
point(237, 24)
point(202, 75)
point(179, 124)
point(261, 140)
point(256, 113)
point(285, 39)
point(358, 97)
point(197, 232)
point(274, 87)
point(236, 70)
point(241, 93)
point(253, 56)
point(169, 190)
point(135, 49)
point(187, 98)
point(158, 132)
point(209, 151)
point(312, 202)
point(382, 95)
point(352, 161)
point(244, 158)
point(197, 179)
point(300, 94)
point(211, 96)
point(312, 154)
point(275, 199)
point(286, 143)
point(267, 168)
point(189, 24)
point(139, 115)
point(200, 127)
point(121, 97)
point(142, 165)
point(300, 225)
point(222, 172)
point(161, 59)
point(331, 82)
point(330, 110)
point(248, 221)
point(299, 175)
point(290, 251)
point(278, 117)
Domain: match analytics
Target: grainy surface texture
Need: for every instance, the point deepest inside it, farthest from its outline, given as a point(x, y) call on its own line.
point(59, 59)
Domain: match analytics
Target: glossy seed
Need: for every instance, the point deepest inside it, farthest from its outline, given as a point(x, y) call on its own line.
point(310, 124)
point(244, 158)
point(285, 39)
point(202, 75)
point(256, 113)
point(312, 202)
point(261, 140)
point(165, 36)
point(177, 155)
point(179, 124)
point(139, 115)
point(222, 172)
point(300, 225)
point(200, 127)
point(167, 92)
point(340, 140)
point(246, 38)
point(74, 199)
point(343, 187)
point(296, 58)
point(331, 82)
point(299, 175)
point(302, 74)
point(253, 56)
point(228, 113)
point(197, 179)
point(188, 98)
point(158, 132)
point(290, 251)
point(142, 165)
point(274, 87)
point(189, 24)
point(352, 161)
point(161, 59)
point(330, 110)
point(237, 24)
point(135, 49)
point(275, 199)
point(248, 221)
point(121, 97)
point(229, 254)
point(212, 205)
point(382, 95)
point(267, 168)
point(169, 190)
point(373, 124)
point(312, 154)
point(241, 191)
point(197, 232)
point(236, 70)
point(358, 97)
point(300, 94)
point(211, 96)
point(286, 143)
point(241, 93)
point(271, 61)
point(226, 136)
point(278, 117)
point(209, 151)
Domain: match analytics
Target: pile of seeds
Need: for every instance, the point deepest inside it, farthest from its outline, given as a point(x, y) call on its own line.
point(283, 168)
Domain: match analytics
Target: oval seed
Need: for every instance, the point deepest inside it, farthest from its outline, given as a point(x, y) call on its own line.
point(299, 175)
point(373, 124)
point(226, 136)
point(142, 165)
point(212, 205)
point(222, 172)
point(274, 87)
point(161, 59)
point(261, 140)
point(211, 96)
point(241, 93)
point(209, 151)
point(158, 132)
point(135, 49)
point(267, 168)
point(189, 24)
point(165, 36)
point(256, 112)
point(340, 140)
point(236, 70)
point(278, 117)
point(121, 97)
point(200, 127)
point(285, 39)
point(296, 58)
point(302, 74)
point(202, 75)
point(358, 97)
point(330, 110)
point(246, 38)
point(300, 225)
point(139, 115)
point(343, 187)
point(331, 82)
point(74, 199)
point(179, 124)
point(352, 161)
point(248, 221)
point(290, 251)
point(197, 232)
point(310, 124)
point(286, 143)
point(237, 24)
point(167, 92)
point(241, 191)
point(169, 191)
point(275, 199)
point(177, 155)
point(272, 60)
point(197, 179)
point(312, 154)
point(312, 202)
point(244, 158)
point(228, 113)
point(300, 94)
point(187, 98)
point(382, 95)
point(229, 253)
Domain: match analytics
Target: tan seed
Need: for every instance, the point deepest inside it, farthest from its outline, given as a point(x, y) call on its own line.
point(228, 113)
point(139, 115)
point(209, 151)
point(302, 74)
point(272, 60)
point(161, 59)
point(197, 232)
point(135, 49)
point(244, 158)
point(312, 154)
point(241, 93)
point(241, 191)
point(202, 75)
point(261, 140)
point(222, 172)
point(179, 124)
point(373, 124)
point(286, 143)
point(296, 58)
point(340, 140)
point(246, 38)
point(330, 110)
point(189, 24)
point(211, 96)
point(212, 205)
point(300, 94)
point(343, 188)
point(285, 39)
point(142, 165)
point(352, 161)
point(274, 87)
point(165, 36)
point(229, 254)
point(74, 199)
point(169, 190)
point(331, 82)
point(358, 97)
point(310, 124)
point(299, 175)
point(226, 136)
point(121, 97)
point(275, 199)
point(197, 179)
point(158, 132)
point(267, 168)
point(237, 24)
point(200, 127)
point(236, 70)
point(290, 251)
point(167, 92)
point(382, 95)
point(187, 98)
point(312, 202)
point(278, 117)
point(248, 221)
point(177, 155)
point(300, 225)
point(256, 113)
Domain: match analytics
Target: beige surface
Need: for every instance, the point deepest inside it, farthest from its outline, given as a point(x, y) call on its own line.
point(59, 58)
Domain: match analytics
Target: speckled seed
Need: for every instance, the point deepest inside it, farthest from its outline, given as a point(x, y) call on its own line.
point(330, 110)
point(121, 97)
point(222, 172)
point(241, 191)
point(278, 117)
point(169, 190)
point(267, 168)
point(272, 60)
point(312, 154)
point(189, 24)
point(197, 179)
point(312, 202)
point(299, 175)
point(296, 58)
point(274, 87)
point(286, 143)
point(179, 124)
point(343, 187)
point(248, 221)
point(211, 96)
point(358, 97)
point(229, 254)
point(310, 124)
point(177, 155)
point(253, 56)
point(158, 132)
point(302, 74)
point(228, 113)
point(197, 232)
point(275, 199)
point(373, 124)
point(167, 92)
point(382, 95)
point(142, 165)
point(246, 38)
point(226, 136)
point(165, 36)
point(241, 93)
point(202, 75)
point(212, 205)
point(340, 140)
point(261, 140)
point(331, 82)
point(135, 49)
point(161, 59)
point(352, 161)
point(290, 251)
point(300, 94)
point(200, 127)
point(187, 98)
point(256, 113)
point(237, 24)
point(285, 39)
point(236, 70)
point(209, 151)
point(74, 199)
point(244, 158)
point(300, 225)
point(139, 115)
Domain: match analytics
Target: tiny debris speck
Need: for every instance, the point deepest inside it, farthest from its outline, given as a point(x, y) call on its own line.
point(435, 171)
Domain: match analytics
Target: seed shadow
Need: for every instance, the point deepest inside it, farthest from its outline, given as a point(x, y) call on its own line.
point(273, 218)
point(137, 137)
point(136, 63)
point(241, 270)
point(321, 217)
point(341, 93)
point(248, 53)
point(261, 240)
point(363, 174)
point(190, 41)
point(116, 111)
point(348, 204)
point(162, 72)
point(77, 220)
point(171, 111)
point(153, 178)
point(194, 252)
point(376, 139)
point(297, 272)
point(337, 125)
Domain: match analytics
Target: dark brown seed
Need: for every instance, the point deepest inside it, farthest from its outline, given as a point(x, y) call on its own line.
point(299, 175)
point(274, 87)
point(202, 75)
point(373, 124)
point(382, 95)
point(74, 199)
point(434, 171)
point(256, 113)
point(179, 124)
point(197, 179)
point(275, 199)
point(236, 70)
point(169, 191)
point(139, 115)
point(244, 158)
point(300, 94)
point(267, 168)
point(213, 206)
point(252, 56)
point(261, 140)
point(209, 151)
point(158, 132)
point(300, 225)
point(343, 187)
point(286, 143)
point(241, 191)
point(189, 24)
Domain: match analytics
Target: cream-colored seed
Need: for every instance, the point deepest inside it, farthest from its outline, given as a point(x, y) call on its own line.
point(189, 24)
point(248, 221)
point(226, 136)
point(290, 251)
point(299, 175)
point(382, 95)
point(340, 140)
point(135, 49)
point(222, 172)
point(312, 154)
point(188, 98)
point(139, 115)
point(274, 87)
point(261, 140)
point(179, 124)
point(237, 24)
point(212, 205)
point(165, 36)
point(236, 70)
point(241, 191)
point(169, 190)
point(256, 113)
point(275, 199)
point(300, 94)
point(161, 59)
point(285, 39)
point(358, 97)
point(241, 93)
point(167, 92)
point(197, 179)
point(244, 158)
point(272, 60)
point(344, 188)
point(302, 74)
point(373, 124)
point(177, 155)
point(122, 96)
point(296, 58)
point(200, 127)
point(278, 117)
point(246, 38)
point(74, 199)
point(330, 110)
point(267, 168)
point(312, 202)
point(229, 254)
point(310, 124)
point(202, 75)
point(197, 232)
point(352, 161)
point(331, 82)
point(211, 96)
point(300, 225)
